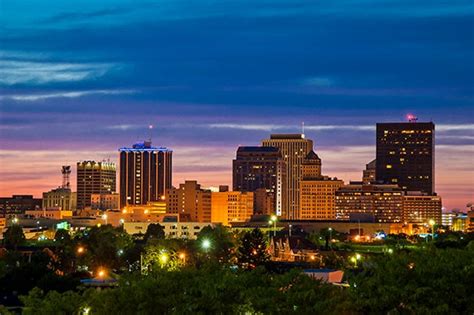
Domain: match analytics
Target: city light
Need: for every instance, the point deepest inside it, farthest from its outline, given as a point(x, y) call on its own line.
point(164, 258)
point(206, 244)
point(101, 273)
point(80, 250)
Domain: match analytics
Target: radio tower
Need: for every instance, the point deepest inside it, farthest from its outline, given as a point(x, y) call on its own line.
point(66, 171)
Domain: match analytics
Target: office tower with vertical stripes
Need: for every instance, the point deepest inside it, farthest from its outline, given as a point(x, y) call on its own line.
point(145, 173)
point(294, 148)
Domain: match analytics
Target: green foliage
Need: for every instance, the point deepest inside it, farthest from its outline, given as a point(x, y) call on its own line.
point(39, 303)
point(62, 236)
point(418, 282)
point(13, 237)
point(221, 244)
point(252, 251)
point(154, 231)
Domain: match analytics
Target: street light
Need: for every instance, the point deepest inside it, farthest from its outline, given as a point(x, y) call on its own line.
point(206, 244)
point(432, 223)
point(330, 236)
point(15, 220)
point(273, 219)
point(104, 217)
point(182, 256)
point(101, 273)
point(163, 258)
point(80, 250)
point(356, 258)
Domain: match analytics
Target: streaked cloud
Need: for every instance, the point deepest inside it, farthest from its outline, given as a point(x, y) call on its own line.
point(41, 72)
point(62, 94)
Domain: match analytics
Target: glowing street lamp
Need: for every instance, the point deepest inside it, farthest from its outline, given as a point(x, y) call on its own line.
point(355, 259)
point(164, 258)
point(101, 273)
point(104, 217)
point(80, 250)
point(182, 256)
point(273, 219)
point(206, 244)
point(15, 220)
point(330, 236)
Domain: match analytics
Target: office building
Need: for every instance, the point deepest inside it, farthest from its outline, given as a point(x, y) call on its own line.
point(317, 192)
point(262, 169)
point(382, 203)
point(145, 173)
point(105, 201)
point(368, 175)
point(18, 204)
point(421, 208)
point(406, 155)
point(231, 206)
point(60, 198)
point(94, 178)
point(293, 148)
point(190, 201)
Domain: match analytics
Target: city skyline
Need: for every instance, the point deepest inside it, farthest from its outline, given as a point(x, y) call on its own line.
point(216, 76)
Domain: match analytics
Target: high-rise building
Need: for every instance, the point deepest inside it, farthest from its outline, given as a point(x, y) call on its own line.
point(406, 155)
point(421, 208)
point(383, 203)
point(18, 204)
point(257, 168)
point(293, 148)
point(317, 192)
point(231, 206)
point(368, 175)
point(145, 173)
point(190, 201)
point(94, 178)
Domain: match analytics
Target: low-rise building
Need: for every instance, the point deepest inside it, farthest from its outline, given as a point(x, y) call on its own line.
point(231, 206)
point(190, 200)
point(51, 213)
point(105, 201)
point(18, 204)
point(62, 198)
point(186, 230)
point(421, 208)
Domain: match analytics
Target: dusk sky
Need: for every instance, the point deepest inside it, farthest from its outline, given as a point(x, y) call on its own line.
point(79, 79)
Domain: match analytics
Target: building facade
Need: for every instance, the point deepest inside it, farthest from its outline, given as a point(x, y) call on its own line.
point(317, 192)
point(293, 148)
point(231, 206)
point(369, 174)
point(60, 198)
point(105, 201)
point(145, 173)
point(383, 203)
point(94, 178)
point(406, 155)
point(190, 201)
point(421, 208)
point(260, 168)
point(18, 204)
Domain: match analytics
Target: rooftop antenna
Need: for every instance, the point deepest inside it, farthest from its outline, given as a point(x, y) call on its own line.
point(412, 118)
point(150, 128)
point(66, 171)
point(302, 128)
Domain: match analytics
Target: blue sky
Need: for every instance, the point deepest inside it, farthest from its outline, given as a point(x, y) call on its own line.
point(82, 78)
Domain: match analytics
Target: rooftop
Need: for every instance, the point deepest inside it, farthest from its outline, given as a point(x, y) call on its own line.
point(144, 146)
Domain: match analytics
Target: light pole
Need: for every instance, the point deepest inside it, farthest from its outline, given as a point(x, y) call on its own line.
point(104, 217)
point(330, 237)
point(432, 223)
point(274, 219)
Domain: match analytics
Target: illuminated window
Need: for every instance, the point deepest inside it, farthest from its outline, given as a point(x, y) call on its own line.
point(389, 166)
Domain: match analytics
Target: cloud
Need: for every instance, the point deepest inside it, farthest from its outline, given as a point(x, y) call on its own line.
point(318, 81)
point(64, 94)
point(41, 72)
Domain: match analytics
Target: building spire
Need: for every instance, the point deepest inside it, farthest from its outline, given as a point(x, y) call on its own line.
point(302, 128)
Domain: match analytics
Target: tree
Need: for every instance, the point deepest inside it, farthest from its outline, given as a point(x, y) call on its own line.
point(252, 251)
point(62, 236)
point(154, 231)
point(216, 243)
point(13, 237)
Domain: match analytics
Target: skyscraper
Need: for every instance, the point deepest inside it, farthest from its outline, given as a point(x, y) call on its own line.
point(145, 173)
point(260, 168)
point(94, 178)
point(406, 155)
point(294, 148)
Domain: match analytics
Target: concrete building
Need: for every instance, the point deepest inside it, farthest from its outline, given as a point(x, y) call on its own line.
point(190, 201)
point(105, 201)
point(294, 148)
point(231, 206)
point(260, 168)
point(94, 178)
point(369, 174)
point(317, 192)
point(145, 173)
point(60, 198)
point(51, 213)
point(18, 204)
point(183, 230)
point(421, 208)
point(384, 203)
point(151, 212)
point(406, 155)
point(263, 202)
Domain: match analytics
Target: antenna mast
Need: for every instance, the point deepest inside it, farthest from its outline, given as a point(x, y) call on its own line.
point(66, 171)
